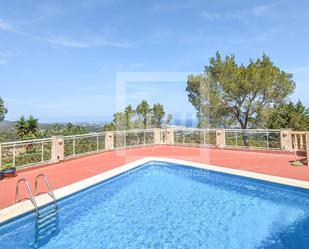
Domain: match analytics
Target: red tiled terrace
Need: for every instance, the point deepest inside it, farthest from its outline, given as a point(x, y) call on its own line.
point(70, 171)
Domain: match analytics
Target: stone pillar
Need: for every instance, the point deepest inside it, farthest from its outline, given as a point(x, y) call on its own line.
point(220, 138)
point(109, 140)
point(169, 136)
point(57, 149)
point(286, 140)
point(307, 147)
point(157, 136)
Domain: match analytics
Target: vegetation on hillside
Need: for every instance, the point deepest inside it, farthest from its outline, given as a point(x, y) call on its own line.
point(64, 130)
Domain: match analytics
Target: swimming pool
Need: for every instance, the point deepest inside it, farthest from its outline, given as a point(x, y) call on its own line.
point(163, 205)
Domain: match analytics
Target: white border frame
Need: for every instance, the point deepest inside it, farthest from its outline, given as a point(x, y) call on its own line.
point(19, 209)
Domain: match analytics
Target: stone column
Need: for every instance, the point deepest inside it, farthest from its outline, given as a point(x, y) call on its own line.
point(109, 140)
point(157, 136)
point(57, 149)
point(220, 138)
point(286, 140)
point(169, 136)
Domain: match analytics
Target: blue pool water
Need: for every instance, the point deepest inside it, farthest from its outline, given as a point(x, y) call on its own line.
point(163, 205)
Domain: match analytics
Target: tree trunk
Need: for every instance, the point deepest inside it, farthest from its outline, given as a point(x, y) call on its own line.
point(244, 135)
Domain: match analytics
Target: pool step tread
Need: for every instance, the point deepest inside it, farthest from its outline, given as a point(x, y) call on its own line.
point(47, 228)
point(48, 233)
point(41, 223)
point(46, 217)
point(50, 211)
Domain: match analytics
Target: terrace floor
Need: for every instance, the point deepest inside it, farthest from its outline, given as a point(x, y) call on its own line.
point(70, 171)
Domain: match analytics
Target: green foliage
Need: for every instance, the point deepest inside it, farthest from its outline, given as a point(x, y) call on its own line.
point(61, 130)
point(158, 114)
point(129, 113)
point(7, 165)
point(292, 116)
point(143, 110)
point(109, 127)
point(119, 121)
point(141, 118)
point(3, 110)
point(227, 94)
point(27, 128)
point(168, 119)
point(297, 163)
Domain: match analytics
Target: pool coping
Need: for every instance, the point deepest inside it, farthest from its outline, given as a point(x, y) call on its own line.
point(22, 208)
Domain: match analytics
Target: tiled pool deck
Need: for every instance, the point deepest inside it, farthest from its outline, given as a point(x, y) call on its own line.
point(71, 171)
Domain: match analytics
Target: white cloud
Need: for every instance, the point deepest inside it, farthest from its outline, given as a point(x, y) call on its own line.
point(65, 41)
point(244, 14)
point(211, 16)
point(89, 43)
point(5, 25)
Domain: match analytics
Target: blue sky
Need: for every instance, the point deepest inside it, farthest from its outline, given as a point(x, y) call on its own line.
point(59, 60)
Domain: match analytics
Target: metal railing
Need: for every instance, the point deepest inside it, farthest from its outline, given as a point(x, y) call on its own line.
point(83, 144)
point(133, 138)
point(32, 152)
point(194, 136)
point(25, 153)
point(253, 139)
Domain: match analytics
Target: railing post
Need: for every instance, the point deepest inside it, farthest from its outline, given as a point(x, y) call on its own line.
point(14, 156)
point(286, 140)
point(57, 149)
point(267, 139)
point(170, 136)
point(157, 136)
point(97, 142)
point(42, 150)
point(109, 140)
point(73, 146)
point(220, 138)
point(144, 137)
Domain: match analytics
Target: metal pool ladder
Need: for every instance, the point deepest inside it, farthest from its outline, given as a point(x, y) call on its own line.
point(31, 197)
point(50, 189)
point(46, 218)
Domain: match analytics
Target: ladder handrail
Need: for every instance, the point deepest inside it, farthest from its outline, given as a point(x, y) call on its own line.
point(31, 198)
point(50, 189)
